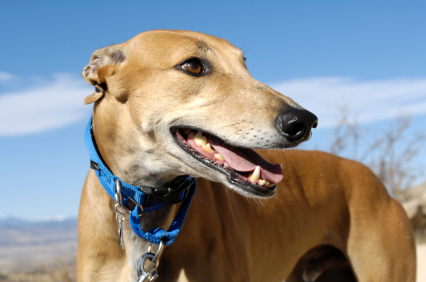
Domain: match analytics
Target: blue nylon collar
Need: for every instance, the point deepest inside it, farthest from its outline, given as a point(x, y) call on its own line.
point(108, 181)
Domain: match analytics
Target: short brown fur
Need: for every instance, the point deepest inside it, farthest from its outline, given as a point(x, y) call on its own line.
point(323, 200)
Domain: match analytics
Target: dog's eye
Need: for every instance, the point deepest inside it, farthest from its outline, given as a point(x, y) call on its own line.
point(193, 66)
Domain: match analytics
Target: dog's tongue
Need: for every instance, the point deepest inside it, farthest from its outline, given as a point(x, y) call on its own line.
point(245, 160)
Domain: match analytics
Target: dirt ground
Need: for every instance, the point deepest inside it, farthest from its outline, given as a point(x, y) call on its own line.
point(63, 270)
point(39, 263)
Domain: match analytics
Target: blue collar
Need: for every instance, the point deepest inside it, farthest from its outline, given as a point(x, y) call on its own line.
point(144, 199)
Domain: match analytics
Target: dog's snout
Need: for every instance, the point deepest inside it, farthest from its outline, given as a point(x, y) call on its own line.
point(296, 124)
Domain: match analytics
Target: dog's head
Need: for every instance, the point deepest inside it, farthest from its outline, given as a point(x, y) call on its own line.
point(176, 102)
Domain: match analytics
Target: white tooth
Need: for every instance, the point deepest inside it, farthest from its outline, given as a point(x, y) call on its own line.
point(200, 139)
point(186, 131)
point(191, 135)
point(207, 148)
point(262, 182)
point(254, 177)
point(271, 185)
point(267, 183)
point(281, 165)
point(219, 157)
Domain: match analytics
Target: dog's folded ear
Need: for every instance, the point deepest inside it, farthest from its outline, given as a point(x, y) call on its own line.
point(103, 64)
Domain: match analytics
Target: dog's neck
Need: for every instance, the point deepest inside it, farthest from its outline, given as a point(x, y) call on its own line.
point(121, 152)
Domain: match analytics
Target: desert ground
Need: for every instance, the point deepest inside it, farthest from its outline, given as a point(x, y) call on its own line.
point(56, 263)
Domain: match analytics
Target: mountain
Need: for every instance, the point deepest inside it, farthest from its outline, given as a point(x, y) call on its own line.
point(18, 232)
point(13, 222)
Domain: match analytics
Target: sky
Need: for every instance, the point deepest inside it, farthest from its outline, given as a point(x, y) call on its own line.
point(369, 56)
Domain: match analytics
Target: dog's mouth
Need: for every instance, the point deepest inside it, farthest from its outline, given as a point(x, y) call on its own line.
point(243, 166)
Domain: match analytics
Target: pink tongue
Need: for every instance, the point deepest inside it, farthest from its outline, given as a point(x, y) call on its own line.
point(247, 161)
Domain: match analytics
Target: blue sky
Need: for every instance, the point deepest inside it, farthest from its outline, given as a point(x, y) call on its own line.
point(370, 55)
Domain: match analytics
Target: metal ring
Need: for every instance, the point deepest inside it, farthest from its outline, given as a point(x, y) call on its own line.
point(140, 267)
point(118, 198)
point(133, 201)
point(158, 254)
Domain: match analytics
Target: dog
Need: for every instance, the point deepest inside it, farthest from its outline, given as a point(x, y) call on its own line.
point(173, 103)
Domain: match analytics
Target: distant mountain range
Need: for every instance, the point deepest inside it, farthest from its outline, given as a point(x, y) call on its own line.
point(19, 232)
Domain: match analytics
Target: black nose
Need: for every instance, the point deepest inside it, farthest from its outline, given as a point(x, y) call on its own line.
point(296, 124)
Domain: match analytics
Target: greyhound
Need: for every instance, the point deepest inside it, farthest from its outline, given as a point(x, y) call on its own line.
point(174, 103)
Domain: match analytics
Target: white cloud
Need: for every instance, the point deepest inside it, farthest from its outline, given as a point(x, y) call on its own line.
point(368, 101)
point(5, 77)
point(54, 105)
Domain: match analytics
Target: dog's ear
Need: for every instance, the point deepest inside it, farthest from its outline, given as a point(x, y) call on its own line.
point(103, 64)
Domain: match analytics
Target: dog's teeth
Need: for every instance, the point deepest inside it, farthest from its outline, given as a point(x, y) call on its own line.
point(270, 184)
point(207, 148)
point(262, 182)
point(254, 177)
point(219, 157)
point(186, 131)
point(200, 139)
point(191, 135)
point(267, 183)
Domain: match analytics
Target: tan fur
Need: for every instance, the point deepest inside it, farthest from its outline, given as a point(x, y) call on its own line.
point(228, 235)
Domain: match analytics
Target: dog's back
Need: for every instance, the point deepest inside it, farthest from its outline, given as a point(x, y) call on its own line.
point(330, 215)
